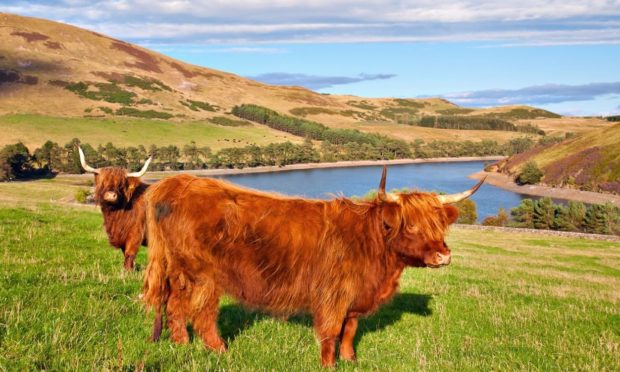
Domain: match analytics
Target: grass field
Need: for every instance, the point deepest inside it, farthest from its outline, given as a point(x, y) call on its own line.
point(34, 130)
point(508, 301)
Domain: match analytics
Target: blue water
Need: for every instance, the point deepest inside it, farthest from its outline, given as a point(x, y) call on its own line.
point(325, 183)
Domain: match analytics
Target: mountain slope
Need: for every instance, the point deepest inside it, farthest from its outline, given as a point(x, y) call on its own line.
point(56, 69)
point(51, 70)
point(590, 161)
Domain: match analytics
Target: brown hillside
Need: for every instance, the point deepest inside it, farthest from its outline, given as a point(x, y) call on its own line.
point(54, 69)
point(590, 161)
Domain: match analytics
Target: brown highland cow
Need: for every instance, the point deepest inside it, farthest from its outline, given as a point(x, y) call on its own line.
point(121, 198)
point(336, 260)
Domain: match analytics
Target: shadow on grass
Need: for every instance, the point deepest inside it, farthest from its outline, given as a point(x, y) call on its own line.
point(234, 319)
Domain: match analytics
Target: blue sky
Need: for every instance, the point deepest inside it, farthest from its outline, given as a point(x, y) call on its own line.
point(559, 55)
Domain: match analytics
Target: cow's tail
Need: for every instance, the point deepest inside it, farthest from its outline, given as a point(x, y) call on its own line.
point(155, 290)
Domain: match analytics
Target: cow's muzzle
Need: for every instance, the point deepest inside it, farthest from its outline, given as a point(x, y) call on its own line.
point(110, 196)
point(440, 260)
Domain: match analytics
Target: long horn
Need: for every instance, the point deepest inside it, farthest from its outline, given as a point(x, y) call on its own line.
point(381, 191)
point(453, 198)
point(141, 172)
point(86, 167)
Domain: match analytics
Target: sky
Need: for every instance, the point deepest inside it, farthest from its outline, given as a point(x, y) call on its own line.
point(563, 56)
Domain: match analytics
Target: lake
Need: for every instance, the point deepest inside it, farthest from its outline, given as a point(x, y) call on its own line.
point(326, 182)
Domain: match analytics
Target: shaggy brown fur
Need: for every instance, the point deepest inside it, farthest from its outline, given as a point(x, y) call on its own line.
point(124, 219)
point(336, 260)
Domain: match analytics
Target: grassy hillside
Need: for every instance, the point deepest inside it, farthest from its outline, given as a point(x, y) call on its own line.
point(508, 301)
point(590, 161)
point(34, 130)
point(57, 70)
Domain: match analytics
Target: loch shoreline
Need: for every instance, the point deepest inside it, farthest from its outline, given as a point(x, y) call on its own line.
point(308, 166)
point(506, 182)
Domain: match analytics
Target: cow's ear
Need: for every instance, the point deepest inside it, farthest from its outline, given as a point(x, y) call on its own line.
point(452, 213)
point(390, 214)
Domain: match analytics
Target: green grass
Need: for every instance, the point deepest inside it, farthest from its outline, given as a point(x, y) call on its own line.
point(148, 114)
point(508, 301)
point(227, 122)
point(34, 130)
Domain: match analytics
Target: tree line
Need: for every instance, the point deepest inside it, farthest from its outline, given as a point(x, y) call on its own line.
point(313, 130)
point(16, 160)
point(475, 123)
point(574, 216)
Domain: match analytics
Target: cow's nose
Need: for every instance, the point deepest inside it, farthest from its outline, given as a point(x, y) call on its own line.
point(444, 259)
point(110, 196)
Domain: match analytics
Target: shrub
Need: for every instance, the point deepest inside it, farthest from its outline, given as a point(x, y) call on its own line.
point(455, 111)
point(305, 111)
point(145, 101)
point(15, 162)
point(198, 105)
point(530, 174)
point(227, 122)
point(490, 221)
point(150, 114)
point(145, 84)
point(500, 220)
point(81, 195)
point(467, 212)
point(109, 92)
point(106, 110)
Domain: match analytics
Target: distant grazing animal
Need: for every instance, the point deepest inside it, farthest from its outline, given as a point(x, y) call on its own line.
point(121, 198)
point(337, 260)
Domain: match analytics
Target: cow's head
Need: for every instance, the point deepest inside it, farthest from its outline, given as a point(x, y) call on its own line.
point(114, 187)
point(415, 224)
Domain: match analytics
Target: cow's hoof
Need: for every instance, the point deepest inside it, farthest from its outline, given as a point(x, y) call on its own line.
point(349, 357)
point(129, 263)
point(219, 347)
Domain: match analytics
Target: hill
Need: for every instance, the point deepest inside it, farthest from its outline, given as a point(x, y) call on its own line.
point(52, 69)
point(57, 69)
point(589, 161)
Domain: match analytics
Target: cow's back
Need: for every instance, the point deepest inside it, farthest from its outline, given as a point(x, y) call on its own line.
point(267, 251)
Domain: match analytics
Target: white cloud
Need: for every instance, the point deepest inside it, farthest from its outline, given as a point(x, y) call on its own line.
point(538, 94)
point(314, 81)
point(511, 22)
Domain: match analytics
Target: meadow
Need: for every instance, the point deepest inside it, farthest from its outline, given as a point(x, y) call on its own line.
point(34, 130)
point(508, 301)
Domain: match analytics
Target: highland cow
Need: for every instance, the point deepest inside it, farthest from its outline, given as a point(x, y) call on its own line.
point(121, 198)
point(337, 260)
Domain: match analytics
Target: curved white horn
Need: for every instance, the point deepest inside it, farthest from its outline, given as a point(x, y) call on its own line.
point(141, 172)
point(453, 198)
point(86, 167)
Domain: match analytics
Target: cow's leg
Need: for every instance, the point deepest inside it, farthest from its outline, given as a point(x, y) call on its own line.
point(157, 326)
point(327, 325)
point(130, 250)
point(205, 301)
point(176, 310)
point(347, 334)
